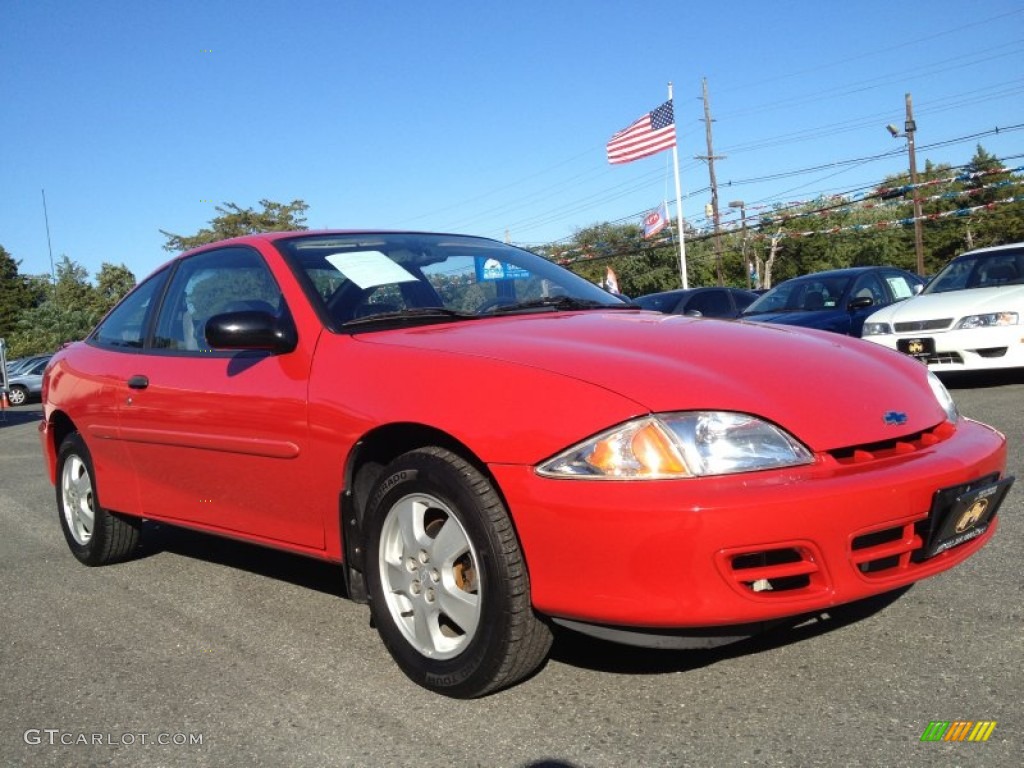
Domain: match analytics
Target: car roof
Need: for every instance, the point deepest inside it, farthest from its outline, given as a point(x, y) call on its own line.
point(845, 272)
point(271, 237)
point(684, 291)
point(991, 249)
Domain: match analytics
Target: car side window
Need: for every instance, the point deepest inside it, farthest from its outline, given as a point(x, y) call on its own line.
point(208, 284)
point(899, 285)
point(125, 325)
point(744, 300)
point(869, 286)
point(710, 304)
point(661, 302)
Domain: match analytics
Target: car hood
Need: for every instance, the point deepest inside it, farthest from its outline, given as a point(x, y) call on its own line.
point(953, 304)
point(829, 391)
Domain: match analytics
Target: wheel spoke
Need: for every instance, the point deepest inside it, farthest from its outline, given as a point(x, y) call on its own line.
point(410, 524)
point(450, 544)
point(398, 578)
point(81, 483)
point(425, 627)
point(463, 608)
point(84, 519)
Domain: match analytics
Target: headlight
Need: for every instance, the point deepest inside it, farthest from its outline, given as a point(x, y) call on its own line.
point(991, 320)
point(876, 329)
point(942, 395)
point(674, 445)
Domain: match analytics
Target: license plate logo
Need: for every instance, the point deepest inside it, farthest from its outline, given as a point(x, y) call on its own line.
point(970, 518)
point(964, 512)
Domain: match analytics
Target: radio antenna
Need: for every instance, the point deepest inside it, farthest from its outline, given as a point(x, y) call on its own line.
point(53, 272)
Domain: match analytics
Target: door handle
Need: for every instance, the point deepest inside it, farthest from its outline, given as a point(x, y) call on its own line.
point(138, 382)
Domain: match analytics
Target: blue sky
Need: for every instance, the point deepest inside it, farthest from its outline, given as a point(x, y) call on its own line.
point(477, 117)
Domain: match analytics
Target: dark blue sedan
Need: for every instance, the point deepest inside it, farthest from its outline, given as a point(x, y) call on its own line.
point(699, 302)
point(839, 300)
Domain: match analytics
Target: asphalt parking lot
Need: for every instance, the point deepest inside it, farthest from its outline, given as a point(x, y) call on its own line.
point(208, 653)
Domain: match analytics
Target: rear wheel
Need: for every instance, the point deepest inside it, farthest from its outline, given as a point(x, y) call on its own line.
point(95, 536)
point(17, 396)
point(448, 587)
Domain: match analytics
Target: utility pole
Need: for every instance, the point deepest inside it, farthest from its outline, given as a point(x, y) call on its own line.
point(711, 157)
point(910, 128)
point(743, 237)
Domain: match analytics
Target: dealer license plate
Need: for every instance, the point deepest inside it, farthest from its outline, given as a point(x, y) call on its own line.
point(920, 347)
point(964, 512)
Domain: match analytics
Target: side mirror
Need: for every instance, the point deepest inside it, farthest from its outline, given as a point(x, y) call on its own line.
point(918, 289)
point(860, 303)
point(694, 313)
point(251, 330)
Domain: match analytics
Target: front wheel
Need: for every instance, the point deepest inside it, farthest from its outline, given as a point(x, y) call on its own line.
point(17, 396)
point(95, 536)
point(448, 586)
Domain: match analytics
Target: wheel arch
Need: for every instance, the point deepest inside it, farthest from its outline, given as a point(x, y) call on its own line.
point(59, 426)
point(366, 461)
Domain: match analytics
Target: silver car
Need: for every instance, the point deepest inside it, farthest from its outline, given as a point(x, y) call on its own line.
point(28, 383)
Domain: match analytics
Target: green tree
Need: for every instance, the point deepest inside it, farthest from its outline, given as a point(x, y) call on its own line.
point(17, 293)
point(235, 221)
point(112, 283)
point(66, 312)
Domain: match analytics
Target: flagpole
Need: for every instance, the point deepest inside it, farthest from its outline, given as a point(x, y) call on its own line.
point(679, 199)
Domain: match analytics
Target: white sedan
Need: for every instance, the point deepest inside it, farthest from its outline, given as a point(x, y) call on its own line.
point(970, 317)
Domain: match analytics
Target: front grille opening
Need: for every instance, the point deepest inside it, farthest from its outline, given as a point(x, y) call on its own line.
point(876, 538)
point(882, 564)
point(773, 570)
point(946, 358)
point(768, 557)
point(883, 551)
point(923, 325)
point(991, 352)
point(897, 446)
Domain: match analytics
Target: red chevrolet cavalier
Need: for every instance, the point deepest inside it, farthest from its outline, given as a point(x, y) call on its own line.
point(489, 444)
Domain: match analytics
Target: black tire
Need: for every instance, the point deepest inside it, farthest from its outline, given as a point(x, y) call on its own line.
point(17, 396)
point(95, 536)
point(448, 587)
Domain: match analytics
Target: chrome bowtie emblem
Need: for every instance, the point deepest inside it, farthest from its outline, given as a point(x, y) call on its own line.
point(894, 418)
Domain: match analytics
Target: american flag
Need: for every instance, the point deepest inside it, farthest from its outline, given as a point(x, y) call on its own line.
point(650, 134)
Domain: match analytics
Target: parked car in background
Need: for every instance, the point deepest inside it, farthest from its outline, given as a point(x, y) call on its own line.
point(839, 300)
point(970, 317)
point(699, 302)
point(27, 384)
point(22, 364)
point(488, 444)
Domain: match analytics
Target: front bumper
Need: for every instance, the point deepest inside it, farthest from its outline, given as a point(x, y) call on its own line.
point(744, 548)
point(970, 350)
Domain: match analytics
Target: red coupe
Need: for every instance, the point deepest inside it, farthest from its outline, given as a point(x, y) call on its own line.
point(489, 444)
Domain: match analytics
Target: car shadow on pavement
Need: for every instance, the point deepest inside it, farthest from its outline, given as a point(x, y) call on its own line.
point(580, 650)
point(983, 379)
point(12, 417)
point(283, 566)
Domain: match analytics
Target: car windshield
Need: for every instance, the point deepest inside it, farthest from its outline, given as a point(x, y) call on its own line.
point(367, 281)
point(802, 295)
point(981, 270)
